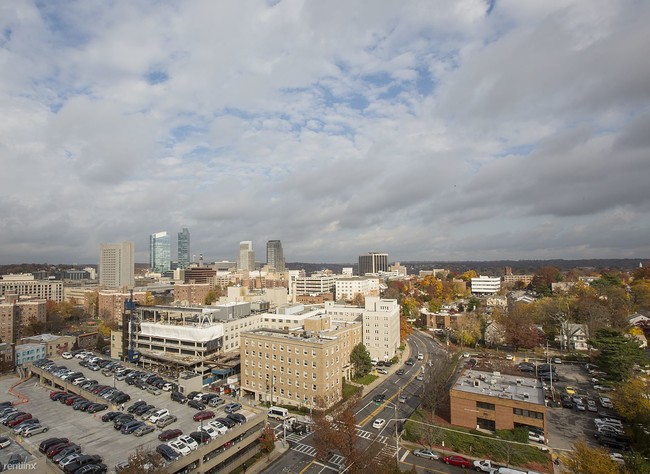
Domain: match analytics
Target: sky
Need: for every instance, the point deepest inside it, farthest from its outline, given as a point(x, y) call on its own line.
point(430, 130)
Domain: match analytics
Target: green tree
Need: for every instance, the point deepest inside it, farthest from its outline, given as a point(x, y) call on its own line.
point(617, 353)
point(361, 361)
point(586, 460)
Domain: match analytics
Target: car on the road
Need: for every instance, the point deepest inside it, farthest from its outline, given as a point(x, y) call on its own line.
point(420, 377)
point(459, 461)
point(378, 423)
point(402, 399)
point(400, 372)
point(379, 398)
point(426, 453)
point(409, 361)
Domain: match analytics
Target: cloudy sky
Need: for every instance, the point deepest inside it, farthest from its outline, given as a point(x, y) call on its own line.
point(431, 130)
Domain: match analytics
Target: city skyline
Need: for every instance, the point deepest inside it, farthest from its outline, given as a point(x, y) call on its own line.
point(469, 130)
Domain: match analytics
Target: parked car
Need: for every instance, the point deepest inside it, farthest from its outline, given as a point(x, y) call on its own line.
point(189, 441)
point(137, 404)
point(178, 397)
point(237, 418)
point(426, 453)
point(166, 421)
point(196, 405)
point(80, 462)
point(158, 414)
point(203, 415)
point(49, 442)
point(143, 430)
point(167, 452)
point(129, 428)
point(180, 447)
point(96, 407)
point(92, 469)
point(605, 402)
point(200, 437)
point(232, 407)
point(216, 401)
point(33, 430)
point(169, 434)
point(614, 443)
point(459, 461)
point(4, 442)
point(226, 422)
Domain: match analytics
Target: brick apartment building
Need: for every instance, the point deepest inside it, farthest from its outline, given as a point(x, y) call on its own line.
point(299, 367)
point(493, 401)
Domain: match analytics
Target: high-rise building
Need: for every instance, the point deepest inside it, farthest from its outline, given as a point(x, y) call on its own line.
point(159, 252)
point(184, 248)
point(246, 260)
point(275, 255)
point(373, 262)
point(116, 265)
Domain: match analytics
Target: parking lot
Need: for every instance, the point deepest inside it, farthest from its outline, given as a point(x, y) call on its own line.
point(566, 425)
point(88, 430)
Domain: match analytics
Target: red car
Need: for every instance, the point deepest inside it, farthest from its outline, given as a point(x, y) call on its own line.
point(57, 448)
point(169, 434)
point(54, 394)
point(19, 419)
point(457, 461)
point(203, 415)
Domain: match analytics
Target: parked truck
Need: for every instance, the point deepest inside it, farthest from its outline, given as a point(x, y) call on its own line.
point(485, 465)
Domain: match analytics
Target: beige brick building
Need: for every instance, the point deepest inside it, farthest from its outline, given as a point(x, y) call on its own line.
point(25, 284)
point(191, 293)
point(304, 367)
point(54, 345)
point(15, 314)
point(110, 304)
point(493, 401)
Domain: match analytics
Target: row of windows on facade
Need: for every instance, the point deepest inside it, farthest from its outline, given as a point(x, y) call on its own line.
point(298, 396)
point(516, 411)
point(275, 357)
point(266, 345)
point(297, 373)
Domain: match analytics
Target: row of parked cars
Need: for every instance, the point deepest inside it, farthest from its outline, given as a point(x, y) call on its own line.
point(69, 457)
point(179, 444)
point(78, 379)
point(151, 382)
point(20, 422)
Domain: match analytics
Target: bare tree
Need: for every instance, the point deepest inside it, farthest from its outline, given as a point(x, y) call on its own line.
point(437, 381)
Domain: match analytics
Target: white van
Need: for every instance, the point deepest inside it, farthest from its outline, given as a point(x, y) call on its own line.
point(278, 413)
point(507, 470)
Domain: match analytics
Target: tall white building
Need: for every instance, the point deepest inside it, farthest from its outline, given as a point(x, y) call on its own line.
point(484, 285)
point(116, 265)
point(381, 324)
point(246, 259)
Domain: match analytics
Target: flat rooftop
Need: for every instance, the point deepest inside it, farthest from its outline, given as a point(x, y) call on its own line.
point(319, 337)
point(498, 385)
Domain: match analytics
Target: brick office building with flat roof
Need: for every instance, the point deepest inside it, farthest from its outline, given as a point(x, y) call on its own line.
point(493, 401)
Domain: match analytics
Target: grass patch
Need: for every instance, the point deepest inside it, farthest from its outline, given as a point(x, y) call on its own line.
point(478, 444)
point(350, 390)
point(367, 379)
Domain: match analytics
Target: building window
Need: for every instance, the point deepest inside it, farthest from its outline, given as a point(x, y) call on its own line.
point(485, 406)
point(528, 413)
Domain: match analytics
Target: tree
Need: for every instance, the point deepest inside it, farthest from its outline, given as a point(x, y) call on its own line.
point(586, 460)
point(267, 440)
point(617, 353)
point(519, 328)
point(359, 300)
point(410, 307)
point(405, 328)
point(468, 329)
point(437, 382)
point(211, 297)
point(142, 460)
point(632, 399)
point(361, 361)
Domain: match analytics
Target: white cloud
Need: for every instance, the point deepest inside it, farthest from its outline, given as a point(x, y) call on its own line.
point(428, 129)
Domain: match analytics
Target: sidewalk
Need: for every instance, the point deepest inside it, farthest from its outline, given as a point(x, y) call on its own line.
point(266, 461)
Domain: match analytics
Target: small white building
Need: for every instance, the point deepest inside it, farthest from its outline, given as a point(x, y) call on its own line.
point(573, 337)
point(348, 288)
point(26, 353)
point(484, 285)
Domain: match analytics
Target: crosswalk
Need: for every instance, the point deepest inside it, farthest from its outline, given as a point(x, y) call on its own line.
point(369, 435)
point(304, 449)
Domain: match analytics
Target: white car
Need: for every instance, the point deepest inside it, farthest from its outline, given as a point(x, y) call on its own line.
point(168, 387)
point(509, 357)
point(378, 423)
point(4, 442)
point(617, 457)
point(66, 355)
point(557, 360)
point(606, 402)
point(219, 428)
point(209, 430)
point(180, 447)
point(157, 415)
point(189, 441)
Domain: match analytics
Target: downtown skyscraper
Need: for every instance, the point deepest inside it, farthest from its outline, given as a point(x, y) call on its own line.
point(159, 252)
point(184, 248)
point(246, 258)
point(275, 255)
